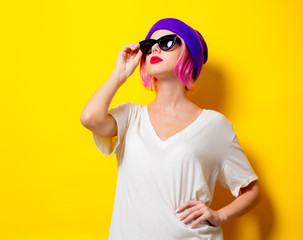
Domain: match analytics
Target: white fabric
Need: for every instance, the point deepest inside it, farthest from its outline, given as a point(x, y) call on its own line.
point(156, 176)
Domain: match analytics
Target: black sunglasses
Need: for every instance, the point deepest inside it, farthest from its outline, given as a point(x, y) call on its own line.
point(165, 43)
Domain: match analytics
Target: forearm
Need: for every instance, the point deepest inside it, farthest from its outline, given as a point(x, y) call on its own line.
point(242, 204)
point(96, 108)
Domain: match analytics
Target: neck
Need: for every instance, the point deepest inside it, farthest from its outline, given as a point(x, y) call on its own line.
point(171, 95)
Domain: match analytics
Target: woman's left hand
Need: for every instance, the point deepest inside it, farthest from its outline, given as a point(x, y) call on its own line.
point(200, 212)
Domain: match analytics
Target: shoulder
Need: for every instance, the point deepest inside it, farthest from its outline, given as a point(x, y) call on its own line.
point(217, 117)
point(134, 107)
point(131, 105)
point(219, 123)
point(127, 109)
point(124, 106)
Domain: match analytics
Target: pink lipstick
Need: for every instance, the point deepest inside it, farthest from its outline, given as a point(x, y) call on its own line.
point(155, 60)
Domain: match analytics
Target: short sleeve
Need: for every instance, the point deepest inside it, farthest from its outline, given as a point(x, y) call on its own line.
point(236, 171)
point(109, 145)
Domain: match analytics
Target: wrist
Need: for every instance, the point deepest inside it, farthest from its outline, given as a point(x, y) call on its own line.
point(119, 76)
point(222, 217)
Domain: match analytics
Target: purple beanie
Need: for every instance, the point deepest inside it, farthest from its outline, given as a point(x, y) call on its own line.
point(193, 39)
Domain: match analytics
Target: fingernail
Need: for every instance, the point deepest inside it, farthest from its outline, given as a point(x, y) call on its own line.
point(177, 210)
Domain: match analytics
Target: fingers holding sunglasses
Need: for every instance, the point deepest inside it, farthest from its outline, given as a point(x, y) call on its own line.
point(132, 48)
point(136, 49)
point(129, 51)
point(128, 59)
point(134, 59)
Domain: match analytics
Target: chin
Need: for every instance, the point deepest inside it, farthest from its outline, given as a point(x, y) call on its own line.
point(163, 75)
point(156, 74)
point(160, 73)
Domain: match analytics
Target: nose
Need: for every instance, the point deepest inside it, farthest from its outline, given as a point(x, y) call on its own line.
point(155, 47)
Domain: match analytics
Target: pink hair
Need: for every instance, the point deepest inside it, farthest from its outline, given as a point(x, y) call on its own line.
point(183, 70)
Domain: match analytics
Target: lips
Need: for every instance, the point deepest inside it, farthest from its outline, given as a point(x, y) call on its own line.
point(155, 60)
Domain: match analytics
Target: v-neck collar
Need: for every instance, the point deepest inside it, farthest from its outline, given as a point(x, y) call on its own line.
point(176, 135)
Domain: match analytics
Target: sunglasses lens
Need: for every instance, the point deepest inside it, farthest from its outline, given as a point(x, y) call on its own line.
point(167, 43)
point(146, 46)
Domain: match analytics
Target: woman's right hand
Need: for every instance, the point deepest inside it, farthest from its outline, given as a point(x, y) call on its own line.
point(128, 59)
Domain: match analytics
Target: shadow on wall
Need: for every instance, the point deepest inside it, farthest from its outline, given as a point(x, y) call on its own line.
point(209, 90)
point(210, 94)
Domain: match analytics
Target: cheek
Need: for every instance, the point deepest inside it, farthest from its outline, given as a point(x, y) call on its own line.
point(178, 54)
point(174, 60)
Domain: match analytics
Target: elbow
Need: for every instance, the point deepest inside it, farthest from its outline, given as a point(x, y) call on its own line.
point(86, 120)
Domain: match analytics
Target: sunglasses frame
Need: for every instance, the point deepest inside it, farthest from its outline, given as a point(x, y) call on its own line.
point(153, 42)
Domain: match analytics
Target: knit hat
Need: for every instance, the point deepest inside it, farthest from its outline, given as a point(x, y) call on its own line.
point(193, 39)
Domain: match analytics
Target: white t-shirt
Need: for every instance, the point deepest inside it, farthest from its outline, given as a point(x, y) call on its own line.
point(155, 176)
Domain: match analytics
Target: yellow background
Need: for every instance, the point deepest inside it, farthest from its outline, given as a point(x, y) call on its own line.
point(56, 184)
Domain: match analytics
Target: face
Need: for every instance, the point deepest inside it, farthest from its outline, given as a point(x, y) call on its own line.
point(165, 68)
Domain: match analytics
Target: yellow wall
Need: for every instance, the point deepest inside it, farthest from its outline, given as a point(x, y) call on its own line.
point(55, 183)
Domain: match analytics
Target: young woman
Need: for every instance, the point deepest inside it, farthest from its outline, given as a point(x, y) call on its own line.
point(170, 153)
